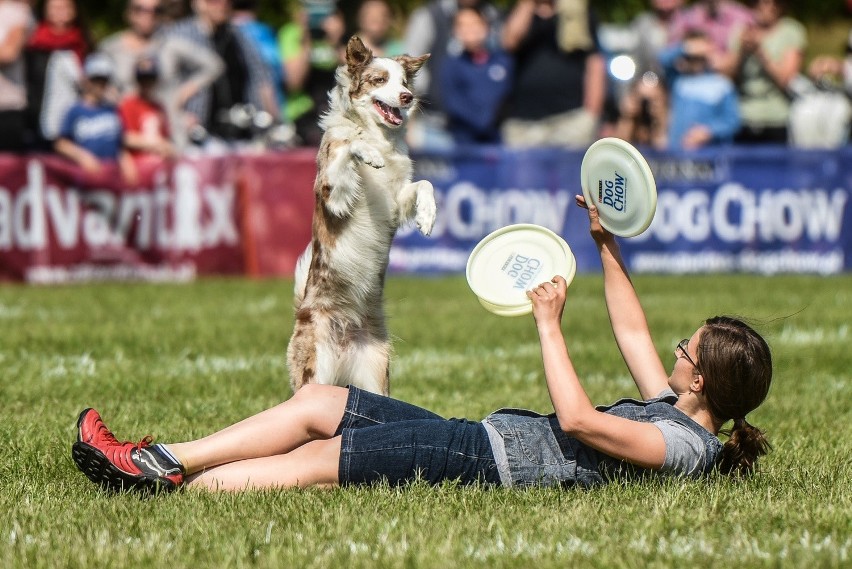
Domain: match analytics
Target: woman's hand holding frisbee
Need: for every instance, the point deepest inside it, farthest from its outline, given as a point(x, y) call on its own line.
point(548, 301)
point(616, 179)
point(507, 262)
point(599, 234)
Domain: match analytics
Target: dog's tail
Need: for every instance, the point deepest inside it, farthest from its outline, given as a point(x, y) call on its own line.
point(301, 275)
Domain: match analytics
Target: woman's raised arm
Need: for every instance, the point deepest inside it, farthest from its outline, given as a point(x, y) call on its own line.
point(625, 313)
point(639, 443)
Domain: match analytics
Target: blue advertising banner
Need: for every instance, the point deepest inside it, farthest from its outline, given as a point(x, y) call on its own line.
point(761, 210)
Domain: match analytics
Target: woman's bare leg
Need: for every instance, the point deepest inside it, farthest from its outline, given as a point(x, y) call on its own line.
point(314, 412)
point(312, 464)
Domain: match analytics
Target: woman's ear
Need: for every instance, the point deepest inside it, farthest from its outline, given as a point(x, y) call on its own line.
point(697, 383)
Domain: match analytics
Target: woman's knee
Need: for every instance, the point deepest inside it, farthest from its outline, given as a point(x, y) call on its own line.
point(324, 406)
point(313, 392)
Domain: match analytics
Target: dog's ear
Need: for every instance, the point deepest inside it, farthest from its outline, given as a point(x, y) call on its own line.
point(357, 55)
point(411, 65)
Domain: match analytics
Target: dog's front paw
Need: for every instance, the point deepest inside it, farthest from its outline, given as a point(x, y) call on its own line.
point(426, 208)
point(367, 154)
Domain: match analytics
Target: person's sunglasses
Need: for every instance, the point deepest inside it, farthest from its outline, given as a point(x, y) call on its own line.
point(681, 346)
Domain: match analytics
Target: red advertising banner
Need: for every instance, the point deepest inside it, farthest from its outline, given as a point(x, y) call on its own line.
point(278, 192)
point(224, 215)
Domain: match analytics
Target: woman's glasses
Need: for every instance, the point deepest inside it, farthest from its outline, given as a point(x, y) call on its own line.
point(681, 346)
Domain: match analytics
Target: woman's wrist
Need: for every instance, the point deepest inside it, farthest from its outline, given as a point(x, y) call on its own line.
point(607, 244)
point(548, 328)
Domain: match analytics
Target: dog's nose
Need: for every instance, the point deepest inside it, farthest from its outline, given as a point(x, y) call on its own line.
point(406, 98)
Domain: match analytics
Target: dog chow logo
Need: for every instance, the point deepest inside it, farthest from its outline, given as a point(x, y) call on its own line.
point(613, 192)
point(522, 270)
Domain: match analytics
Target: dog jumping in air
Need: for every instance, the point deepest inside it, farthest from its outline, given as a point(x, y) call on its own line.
point(363, 192)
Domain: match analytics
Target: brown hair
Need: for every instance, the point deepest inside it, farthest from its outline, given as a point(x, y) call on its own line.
point(737, 367)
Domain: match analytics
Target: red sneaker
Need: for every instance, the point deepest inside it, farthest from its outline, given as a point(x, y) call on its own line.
point(119, 465)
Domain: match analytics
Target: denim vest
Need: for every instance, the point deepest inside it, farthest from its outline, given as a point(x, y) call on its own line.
point(535, 450)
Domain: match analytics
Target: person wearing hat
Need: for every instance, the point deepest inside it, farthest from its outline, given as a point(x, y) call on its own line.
point(91, 131)
point(143, 118)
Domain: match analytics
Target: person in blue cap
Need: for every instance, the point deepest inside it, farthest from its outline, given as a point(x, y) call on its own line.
point(91, 133)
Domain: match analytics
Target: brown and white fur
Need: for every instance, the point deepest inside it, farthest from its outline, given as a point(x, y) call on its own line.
point(363, 193)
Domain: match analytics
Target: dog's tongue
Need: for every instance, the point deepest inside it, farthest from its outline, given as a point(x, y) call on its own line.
point(391, 114)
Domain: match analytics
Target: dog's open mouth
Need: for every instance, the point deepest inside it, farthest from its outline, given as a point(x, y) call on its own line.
point(391, 115)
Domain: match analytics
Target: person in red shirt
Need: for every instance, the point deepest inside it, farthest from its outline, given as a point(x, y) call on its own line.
point(61, 28)
point(146, 131)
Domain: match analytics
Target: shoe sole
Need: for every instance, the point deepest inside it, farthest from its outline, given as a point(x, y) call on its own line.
point(98, 468)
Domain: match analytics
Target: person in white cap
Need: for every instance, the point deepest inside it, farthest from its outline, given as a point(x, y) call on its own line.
point(91, 133)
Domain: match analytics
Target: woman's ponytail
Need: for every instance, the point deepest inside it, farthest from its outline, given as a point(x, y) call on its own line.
point(737, 367)
point(744, 445)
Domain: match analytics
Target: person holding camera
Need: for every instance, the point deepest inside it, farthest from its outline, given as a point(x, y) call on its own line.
point(643, 114)
point(704, 109)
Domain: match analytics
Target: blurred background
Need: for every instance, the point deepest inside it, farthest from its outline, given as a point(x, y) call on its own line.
point(165, 139)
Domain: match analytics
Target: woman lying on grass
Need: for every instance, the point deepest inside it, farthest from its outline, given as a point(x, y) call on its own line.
point(326, 435)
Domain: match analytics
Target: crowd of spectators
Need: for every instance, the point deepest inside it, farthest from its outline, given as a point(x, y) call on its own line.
point(210, 75)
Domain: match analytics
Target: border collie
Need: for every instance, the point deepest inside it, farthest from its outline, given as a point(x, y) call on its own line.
point(363, 193)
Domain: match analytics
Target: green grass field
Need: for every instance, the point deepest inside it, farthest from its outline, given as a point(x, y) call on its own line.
point(178, 361)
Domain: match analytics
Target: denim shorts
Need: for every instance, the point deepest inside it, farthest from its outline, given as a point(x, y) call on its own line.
point(385, 439)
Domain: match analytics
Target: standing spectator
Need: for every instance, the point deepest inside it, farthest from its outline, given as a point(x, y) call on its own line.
point(718, 19)
point(429, 30)
point(54, 57)
point(375, 28)
point(765, 58)
point(828, 69)
point(560, 77)
point(91, 131)
point(15, 25)
point(643, 116)
point(174, 10)
point(60, 27)
point(653, 30)
point(312, 47)
point(184, 68)
point(217, 110)
point(475, 82)
point(265, 42)
point(704, 107)
point(143, 119)
point(846, 72)
point(821, 109)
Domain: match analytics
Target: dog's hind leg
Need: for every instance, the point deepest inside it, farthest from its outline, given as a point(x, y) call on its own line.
point(313, 355)
point(301, 355)
point(367, 366)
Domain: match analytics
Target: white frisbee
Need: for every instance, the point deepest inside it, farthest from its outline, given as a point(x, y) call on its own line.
point(512, 260)
point(616, 178)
